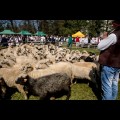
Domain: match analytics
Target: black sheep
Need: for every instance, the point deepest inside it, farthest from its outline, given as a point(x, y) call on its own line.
point(54, 85)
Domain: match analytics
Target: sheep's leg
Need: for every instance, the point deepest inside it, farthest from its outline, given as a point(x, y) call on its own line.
point(94, 77)
point(43, 96)
point(3, 89)
point(72, 78)
point(73, 81)
point(69, 93)
point(21, 90)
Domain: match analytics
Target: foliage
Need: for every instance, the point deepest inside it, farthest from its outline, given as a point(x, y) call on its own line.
point(58, 27)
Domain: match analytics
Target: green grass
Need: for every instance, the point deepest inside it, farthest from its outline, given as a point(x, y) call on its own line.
point(79, 91)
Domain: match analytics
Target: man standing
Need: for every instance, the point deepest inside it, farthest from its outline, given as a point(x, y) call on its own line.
point(70, 41)
point(77, 40)
point(109, 60)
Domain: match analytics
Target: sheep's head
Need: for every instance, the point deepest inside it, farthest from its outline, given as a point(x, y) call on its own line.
point(22, 78)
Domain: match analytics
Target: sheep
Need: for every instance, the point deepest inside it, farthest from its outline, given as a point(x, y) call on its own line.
point(41, 66)
point(26, 68)
point(5, 63)
point(73, 71)
point(95, 65)
point(51, 57)
point(84, 73)
point(61, 67)
point(88, 56)
point(89, 59)
point(47, 86)
point(22, 60)
point(87, 64)
point(9, 75)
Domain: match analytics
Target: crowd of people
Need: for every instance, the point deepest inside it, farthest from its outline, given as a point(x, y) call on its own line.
point(83, 41)
point(14, 40)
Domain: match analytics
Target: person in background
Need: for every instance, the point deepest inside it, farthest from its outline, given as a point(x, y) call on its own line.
point(109, 60)
point(4, 41)
point(77, 40)
point(70, 41)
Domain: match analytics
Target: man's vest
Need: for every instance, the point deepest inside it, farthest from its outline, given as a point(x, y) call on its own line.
point(111, 55)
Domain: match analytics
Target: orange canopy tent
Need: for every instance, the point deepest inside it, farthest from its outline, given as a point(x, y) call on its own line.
point(79, 34)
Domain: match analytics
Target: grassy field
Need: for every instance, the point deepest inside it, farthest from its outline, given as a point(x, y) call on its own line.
point(79, 91)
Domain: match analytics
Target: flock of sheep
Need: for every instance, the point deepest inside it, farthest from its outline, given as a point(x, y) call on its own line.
point(46, 71)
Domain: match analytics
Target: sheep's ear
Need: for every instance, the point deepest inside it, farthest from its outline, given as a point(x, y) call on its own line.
point(21, 80)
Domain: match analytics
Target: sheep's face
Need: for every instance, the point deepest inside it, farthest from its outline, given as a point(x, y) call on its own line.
point(22, 79)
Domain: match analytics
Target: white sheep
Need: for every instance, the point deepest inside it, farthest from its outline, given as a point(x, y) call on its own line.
point(91, 65)
point(61, 67)
point(81, 72)
point(9, 75)
point(73, 71)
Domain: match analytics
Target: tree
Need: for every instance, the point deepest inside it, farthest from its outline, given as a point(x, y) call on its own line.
point(58, 27)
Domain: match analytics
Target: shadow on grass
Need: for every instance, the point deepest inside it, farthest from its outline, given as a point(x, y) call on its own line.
point(96, 90)
point(9, 93)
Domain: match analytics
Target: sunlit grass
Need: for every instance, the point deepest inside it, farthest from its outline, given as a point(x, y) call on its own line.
point(79, 91)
